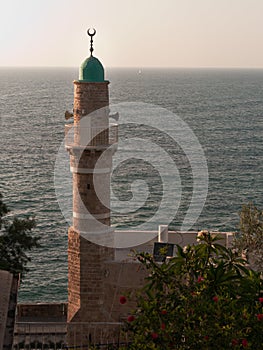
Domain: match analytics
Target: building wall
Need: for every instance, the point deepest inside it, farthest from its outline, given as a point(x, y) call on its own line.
point(11, 314)
point(122, 278)
point(89, 97)
point(8, 297)
point(86, 276)
point(101, 313)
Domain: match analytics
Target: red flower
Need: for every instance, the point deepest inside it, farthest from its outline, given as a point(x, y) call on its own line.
point(234, 342)
point(200, 279)
point(260, 300)
point(154, 335)
point(215, 299)
point(123, 299)
point(244, 343)
point(163, 312)
point(130, 318)
point(260, 317)
point(163, 326)
point(206, 337)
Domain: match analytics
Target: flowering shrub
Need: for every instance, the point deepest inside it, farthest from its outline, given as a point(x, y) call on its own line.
point(203, 298)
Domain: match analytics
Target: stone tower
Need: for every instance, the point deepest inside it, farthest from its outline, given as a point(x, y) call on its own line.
point(90, 239)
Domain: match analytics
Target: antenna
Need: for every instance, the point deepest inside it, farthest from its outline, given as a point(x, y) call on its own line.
point(91, 34)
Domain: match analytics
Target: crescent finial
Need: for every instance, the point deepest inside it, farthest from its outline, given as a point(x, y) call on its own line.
point(91, 34)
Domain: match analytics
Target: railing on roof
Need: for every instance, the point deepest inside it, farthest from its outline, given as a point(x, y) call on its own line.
point(40, 335)
point(81, 136)
point(53, 335)
point(97, 335)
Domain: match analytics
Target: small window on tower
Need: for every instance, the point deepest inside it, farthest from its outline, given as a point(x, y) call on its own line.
point(88, 186)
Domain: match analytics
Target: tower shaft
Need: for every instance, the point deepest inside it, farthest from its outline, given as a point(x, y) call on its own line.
point(90, 164)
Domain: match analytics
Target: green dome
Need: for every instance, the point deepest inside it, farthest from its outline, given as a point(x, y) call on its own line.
point(91, 70)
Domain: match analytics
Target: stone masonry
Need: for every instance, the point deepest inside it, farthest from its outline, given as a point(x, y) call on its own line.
point(86, 260)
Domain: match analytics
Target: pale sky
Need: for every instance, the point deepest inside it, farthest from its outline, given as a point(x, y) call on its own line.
point(133, 33)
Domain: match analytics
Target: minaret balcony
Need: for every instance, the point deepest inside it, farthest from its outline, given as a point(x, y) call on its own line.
point(90, 137)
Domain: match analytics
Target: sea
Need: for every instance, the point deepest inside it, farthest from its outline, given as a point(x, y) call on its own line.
point(223, 108)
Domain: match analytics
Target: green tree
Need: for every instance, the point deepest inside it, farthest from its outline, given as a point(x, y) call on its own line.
point(15, 241)
point(250, 240)
point(203, 298)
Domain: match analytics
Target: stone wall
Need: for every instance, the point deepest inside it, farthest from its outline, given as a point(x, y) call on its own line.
point(85, 278)
point(41, 312)
point(8, 297)
point(101, 313)
point(122, 279)
point(89, 97)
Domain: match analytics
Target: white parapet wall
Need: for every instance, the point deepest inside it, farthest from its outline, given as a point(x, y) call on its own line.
point(163, 233)
point(128, 240)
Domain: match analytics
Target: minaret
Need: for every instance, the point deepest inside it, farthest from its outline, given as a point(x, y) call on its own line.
point(88, 142)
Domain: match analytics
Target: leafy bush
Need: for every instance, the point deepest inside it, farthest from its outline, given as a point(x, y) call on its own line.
point(203, 298)
point(250, 240)
point(15, 241)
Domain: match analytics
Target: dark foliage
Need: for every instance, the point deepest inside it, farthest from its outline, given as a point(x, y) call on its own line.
point(16, 241)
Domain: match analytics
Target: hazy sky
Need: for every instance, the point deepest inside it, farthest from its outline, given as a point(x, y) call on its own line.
point(141, 33)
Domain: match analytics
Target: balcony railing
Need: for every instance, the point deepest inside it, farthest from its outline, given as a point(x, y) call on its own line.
point(81, 136)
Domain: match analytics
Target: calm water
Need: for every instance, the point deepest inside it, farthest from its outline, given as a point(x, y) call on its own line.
point(224, 108)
